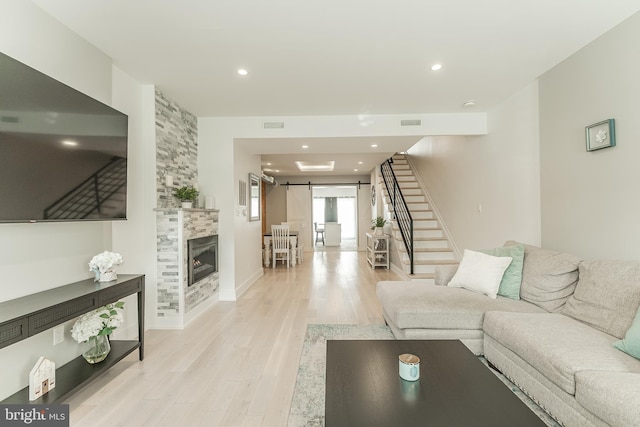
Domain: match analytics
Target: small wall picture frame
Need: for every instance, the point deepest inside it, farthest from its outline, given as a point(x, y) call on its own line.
point(601, 135)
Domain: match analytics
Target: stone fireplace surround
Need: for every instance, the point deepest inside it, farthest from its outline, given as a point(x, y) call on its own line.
point(178, 303)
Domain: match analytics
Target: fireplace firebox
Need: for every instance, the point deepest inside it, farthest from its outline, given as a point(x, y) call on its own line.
point(202, 258)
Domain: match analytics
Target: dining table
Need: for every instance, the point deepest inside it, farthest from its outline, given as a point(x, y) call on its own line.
point(293, 238)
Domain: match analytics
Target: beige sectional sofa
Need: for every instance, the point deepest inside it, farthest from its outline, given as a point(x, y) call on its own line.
point(556, 342)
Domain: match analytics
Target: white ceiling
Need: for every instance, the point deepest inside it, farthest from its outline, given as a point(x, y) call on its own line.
point(336, 57)
point(279, 155)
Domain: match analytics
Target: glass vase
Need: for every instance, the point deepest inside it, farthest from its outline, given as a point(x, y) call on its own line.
point(98, 350)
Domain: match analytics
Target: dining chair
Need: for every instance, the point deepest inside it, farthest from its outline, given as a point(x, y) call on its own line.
point(299, 249)
point(319, 233)
point(280, 244)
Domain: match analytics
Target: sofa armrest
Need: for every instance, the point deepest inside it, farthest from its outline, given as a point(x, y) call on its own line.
point(444, 274)
point(612, 396)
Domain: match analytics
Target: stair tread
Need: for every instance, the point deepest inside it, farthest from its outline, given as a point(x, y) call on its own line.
point(422, 276)
point(418, 228)
point(403, 249)
point(426, 239)
point(432, 262)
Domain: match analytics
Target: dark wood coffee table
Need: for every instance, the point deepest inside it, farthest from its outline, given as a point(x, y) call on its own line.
point(363, 387)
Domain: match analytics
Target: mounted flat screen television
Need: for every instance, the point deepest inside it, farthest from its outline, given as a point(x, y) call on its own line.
point(63, 154)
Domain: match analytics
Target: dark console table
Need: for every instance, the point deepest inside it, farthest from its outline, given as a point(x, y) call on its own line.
point(27, 316)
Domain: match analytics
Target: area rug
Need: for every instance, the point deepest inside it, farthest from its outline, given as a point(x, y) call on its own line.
point(307, 405)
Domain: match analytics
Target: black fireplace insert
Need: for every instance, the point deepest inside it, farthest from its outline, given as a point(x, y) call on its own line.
point(202, 258)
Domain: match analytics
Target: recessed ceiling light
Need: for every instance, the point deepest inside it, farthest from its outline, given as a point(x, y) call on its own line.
point(277, 170)
point(360, 163)
point(268, 163)
point(374, 145)
point(436, 67)
point(242, 72)
point(69, 143)
point(469, 103)
point(355, 170)
point(305, 146)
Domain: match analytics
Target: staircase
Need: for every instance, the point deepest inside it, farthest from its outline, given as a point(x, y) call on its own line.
point(430, 245)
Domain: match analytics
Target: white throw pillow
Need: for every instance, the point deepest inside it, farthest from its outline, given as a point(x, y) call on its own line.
point(480, 272)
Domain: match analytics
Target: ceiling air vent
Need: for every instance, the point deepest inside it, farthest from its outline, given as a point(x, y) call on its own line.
point(273, 125)
point(410, 122)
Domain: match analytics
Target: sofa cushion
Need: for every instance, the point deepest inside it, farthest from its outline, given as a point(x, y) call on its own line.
point(557, 346)
point(479, 272)
point(631, 342)
point(612, 396)
point(512, 278)
point(548, 277)
point(411, 305)
point(607, 295)
point(444, 274)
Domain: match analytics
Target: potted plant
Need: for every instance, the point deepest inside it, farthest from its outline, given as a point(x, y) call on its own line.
point(378, 223)
point(187, 195)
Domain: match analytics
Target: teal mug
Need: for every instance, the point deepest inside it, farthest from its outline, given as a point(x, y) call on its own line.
point(409, 367)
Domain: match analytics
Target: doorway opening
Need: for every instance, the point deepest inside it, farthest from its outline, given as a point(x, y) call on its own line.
point(335, 211)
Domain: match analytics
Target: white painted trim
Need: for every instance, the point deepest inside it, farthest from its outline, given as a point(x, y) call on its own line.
point(173, 322)
point(180, 321)
point(244, 287)
point(434, 208)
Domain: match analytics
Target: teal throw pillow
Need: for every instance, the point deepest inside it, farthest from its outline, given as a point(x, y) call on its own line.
point(512, 279)
point(630, 344)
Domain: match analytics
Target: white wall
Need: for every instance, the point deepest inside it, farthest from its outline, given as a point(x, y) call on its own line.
point(135, 238)
point(33, 37)
point(248, 238)
point(590, 203)
point(37, 257)
point(498, 172)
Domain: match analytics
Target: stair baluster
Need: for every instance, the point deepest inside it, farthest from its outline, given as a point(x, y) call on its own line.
point(400, 208)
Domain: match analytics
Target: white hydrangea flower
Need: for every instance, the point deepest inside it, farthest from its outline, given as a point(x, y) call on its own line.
point(87, 326)
point(101, 321)
point(104, 262)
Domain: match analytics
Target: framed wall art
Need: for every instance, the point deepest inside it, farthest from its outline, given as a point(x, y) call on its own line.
point(601, 135)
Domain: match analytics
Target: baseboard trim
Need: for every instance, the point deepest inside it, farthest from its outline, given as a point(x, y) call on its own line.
point(173, 322)
point(246, 285)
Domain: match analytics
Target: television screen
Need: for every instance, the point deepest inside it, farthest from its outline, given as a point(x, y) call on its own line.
point(63, 154)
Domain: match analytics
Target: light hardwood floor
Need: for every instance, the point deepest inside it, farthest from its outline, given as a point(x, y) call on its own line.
point(236, 364)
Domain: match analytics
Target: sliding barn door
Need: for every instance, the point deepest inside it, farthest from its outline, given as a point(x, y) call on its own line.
point(299, 211)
